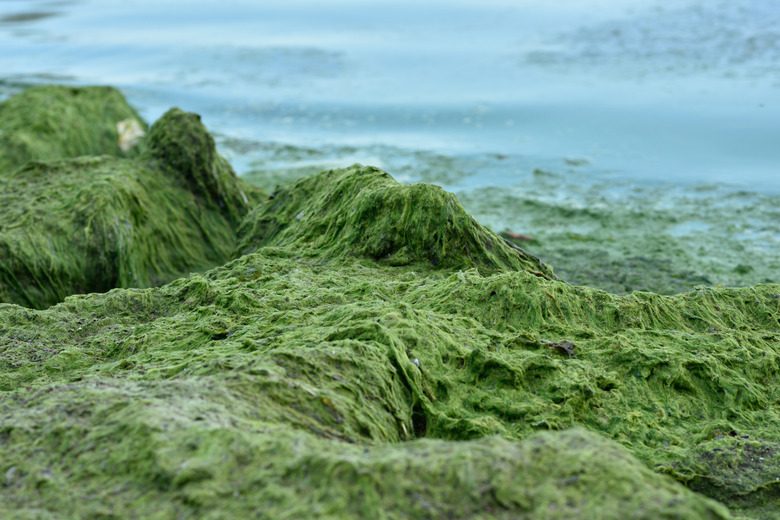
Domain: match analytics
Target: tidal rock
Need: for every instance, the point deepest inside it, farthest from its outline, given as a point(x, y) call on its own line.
point(362, 211)
point(282, 388)
point(56, 122)
point(370, 351)
point(89, 224)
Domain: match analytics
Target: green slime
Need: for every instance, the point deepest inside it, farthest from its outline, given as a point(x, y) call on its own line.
point(371, 350)
point(595, 229)
point(89, 224)
point(53, 122)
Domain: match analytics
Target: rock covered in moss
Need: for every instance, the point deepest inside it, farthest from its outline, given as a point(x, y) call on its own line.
point(378, 353)
point(90, 224)
point(57, 122)
point(362, 211)
point(184, 147)
point(280, 388)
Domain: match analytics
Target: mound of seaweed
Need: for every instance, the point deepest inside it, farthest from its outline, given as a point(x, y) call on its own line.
point(90, 224)
point(362, 211)
point(376, 352)
point(277, 388)
point(57, 122)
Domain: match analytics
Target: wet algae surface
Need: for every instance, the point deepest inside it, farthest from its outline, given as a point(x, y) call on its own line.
point(595, 228)
point(77, 222)
point(52, 122)
point(369, 349)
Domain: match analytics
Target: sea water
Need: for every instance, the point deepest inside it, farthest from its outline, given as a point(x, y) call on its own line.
point(640, 129)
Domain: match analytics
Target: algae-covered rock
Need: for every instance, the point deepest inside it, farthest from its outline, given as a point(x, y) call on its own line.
point(90, 224)
point(362, 211)
point(189, 153)
point(197, 448)
point(277, 385)
point(56, 122)
point(277, 388)
point(372, 351)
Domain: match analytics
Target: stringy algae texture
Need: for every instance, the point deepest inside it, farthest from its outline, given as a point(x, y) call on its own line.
point(372, 351)
point(52, 122)
point(71, 222)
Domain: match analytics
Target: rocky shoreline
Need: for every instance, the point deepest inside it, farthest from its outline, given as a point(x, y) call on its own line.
point(349, 347)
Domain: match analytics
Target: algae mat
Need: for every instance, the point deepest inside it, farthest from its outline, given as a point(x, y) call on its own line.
point(277, 389)
point(75, 222)
point(594, 229)
point(56, 122)
point(372, 350)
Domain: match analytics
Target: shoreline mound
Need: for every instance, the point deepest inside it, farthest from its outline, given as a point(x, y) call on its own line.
point(370, 350)
point(57, 122)
point(276, 385)
point(89, 224)
point(283, 388)
point(361, 211)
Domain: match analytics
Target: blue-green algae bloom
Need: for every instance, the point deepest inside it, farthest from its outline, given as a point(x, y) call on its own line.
point(370, 350)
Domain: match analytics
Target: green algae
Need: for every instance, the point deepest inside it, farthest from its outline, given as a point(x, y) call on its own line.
point(189, 153)
point(362, 211)
point(56, 122)
point(280, 387)
point(90, 224)
point(429, 390)
point(657, 238)
point(594, 229)
point(370, 351)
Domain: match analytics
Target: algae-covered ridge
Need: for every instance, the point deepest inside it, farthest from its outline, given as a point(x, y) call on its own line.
point(371, 350)
point(53, 122)
point(363, 211)
point(72, 221)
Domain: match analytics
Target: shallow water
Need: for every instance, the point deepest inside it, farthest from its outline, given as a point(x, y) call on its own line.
point(643, 111)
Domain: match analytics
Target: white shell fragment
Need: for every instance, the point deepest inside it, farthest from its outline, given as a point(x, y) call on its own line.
point(130, 132)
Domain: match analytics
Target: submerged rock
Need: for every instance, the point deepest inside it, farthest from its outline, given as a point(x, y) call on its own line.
point(90, 224)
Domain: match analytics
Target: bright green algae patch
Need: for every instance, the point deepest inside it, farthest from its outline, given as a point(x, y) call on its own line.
point(283, 387)
point(370, 351)
point(57, 122)
point(362, 211)
point(289, 383)
point(93, 223)
point(595, 230)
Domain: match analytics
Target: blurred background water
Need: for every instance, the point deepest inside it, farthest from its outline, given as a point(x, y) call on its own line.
point(636, 136)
